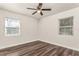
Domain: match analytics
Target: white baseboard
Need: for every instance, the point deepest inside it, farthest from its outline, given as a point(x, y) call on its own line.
point(12, 45)
point(60, 45)
point(39, 40)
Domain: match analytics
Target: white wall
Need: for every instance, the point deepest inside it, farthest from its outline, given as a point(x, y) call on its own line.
point(49, 29)
point(28, 30)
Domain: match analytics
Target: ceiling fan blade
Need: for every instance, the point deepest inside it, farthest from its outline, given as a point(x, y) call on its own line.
point(31, 8)
point(34, 12)
point(46, 9)
point(41, 13)
point(39, 6)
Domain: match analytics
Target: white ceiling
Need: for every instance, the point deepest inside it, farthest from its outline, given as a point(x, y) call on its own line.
point(21, 8)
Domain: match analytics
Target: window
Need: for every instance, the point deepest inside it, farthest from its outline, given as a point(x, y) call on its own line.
point(12, 26)
point(66, 26)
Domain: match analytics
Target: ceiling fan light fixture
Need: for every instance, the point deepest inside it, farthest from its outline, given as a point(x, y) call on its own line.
point(38, 11)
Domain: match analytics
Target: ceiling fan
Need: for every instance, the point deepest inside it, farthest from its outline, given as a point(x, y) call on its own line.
point(39, 9)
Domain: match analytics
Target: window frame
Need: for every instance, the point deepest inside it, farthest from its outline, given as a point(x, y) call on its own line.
point(6, 33)
point(65, 26)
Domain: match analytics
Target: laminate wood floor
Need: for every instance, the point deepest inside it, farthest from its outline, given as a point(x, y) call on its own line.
point(38, 48)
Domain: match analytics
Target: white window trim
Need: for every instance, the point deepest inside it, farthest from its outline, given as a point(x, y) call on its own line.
point(12, 34)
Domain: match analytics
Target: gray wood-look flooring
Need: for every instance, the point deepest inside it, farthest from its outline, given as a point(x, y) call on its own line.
point(38, 48)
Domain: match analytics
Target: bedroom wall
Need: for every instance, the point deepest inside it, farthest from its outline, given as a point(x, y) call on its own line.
point(49, 29)
point(28, 29)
